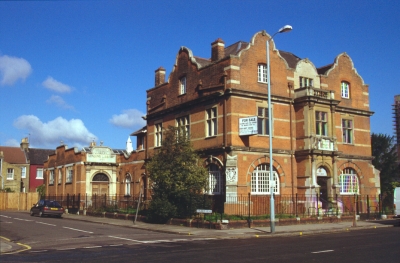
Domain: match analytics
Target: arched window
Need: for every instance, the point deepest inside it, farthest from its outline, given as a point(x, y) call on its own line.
point(100, 177)
point(214, 180)
point(260, 180)
point(348, 182)
point(128, 181)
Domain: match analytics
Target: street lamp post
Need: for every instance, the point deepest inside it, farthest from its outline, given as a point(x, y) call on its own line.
point(284, 29)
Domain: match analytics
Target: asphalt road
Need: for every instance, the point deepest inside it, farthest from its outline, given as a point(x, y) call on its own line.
point(58, 240)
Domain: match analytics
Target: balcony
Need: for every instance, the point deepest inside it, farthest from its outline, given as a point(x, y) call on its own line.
point(314, 92)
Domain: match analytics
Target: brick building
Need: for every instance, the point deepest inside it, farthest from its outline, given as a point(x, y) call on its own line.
point(396, 122)
point(320, 123)
point(94, 170)
point(14, 170)
point(320, 128)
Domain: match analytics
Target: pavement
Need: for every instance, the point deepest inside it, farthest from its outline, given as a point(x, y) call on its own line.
point(6, 246)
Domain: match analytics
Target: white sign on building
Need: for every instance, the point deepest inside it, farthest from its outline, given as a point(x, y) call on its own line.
point(248, 126)
point(101, 155)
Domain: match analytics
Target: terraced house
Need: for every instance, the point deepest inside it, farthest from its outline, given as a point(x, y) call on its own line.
point(320, 125)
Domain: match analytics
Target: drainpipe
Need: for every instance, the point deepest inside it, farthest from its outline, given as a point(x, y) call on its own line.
point(291, 137)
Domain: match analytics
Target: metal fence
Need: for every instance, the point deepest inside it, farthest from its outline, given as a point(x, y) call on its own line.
point(241, 205)
point(304, 205)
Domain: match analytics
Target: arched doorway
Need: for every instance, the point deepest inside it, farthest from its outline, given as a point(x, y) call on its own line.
point(322, 181)
point(100, 184)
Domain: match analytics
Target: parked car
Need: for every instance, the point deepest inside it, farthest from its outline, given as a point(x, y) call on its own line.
point(47, 207)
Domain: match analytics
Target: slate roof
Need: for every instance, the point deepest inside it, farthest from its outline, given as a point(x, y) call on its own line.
point(140, 131)
point(324, 69)
point(290, 58)
point(235, 48)
point(38, 156)
point(13, 155)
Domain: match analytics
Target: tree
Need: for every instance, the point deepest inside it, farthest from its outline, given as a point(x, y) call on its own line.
point(41, 189)
point(386, 161)
point(178, 180)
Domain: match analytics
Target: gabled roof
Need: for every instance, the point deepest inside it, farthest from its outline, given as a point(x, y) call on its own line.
point(140, 131)
point(202, 61)
point(235, 48)
point(13, 155)
point(38, 156)
point(324, 69)
point(290, 58)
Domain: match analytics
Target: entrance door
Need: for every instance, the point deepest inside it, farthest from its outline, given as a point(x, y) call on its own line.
point(323, 190)
point(100, 184)
point(99, 188)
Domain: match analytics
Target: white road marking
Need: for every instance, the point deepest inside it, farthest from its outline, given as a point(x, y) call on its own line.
point(123, 238)
point(38, 251)
point(45, 223)
point(20, 219)
point(116, 245)
point(78, 230)
point(322, 251)
point(6, 216)
point(67, 248)
point(93, 247)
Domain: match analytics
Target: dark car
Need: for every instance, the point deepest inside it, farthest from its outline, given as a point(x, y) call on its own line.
point(47, 207)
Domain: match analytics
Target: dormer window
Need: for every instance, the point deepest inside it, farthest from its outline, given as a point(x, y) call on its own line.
point(345, 90)
point(182, 86)
point(305, 82)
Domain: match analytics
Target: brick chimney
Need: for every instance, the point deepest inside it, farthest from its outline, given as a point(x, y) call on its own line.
point(160, 76)
point(217, 49)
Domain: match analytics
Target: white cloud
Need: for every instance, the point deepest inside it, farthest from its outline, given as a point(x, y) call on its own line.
point(12, 69)
point(128, 119)
point(55, 85)
point(12, 143)
point(57, 100)
point(72, 132)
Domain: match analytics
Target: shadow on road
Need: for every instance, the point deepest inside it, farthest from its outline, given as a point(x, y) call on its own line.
point(394, 222)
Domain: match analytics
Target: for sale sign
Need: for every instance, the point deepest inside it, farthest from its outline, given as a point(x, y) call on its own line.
point(248, 126)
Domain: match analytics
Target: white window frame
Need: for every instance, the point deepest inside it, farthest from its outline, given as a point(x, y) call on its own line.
point(23, 172)
point(262, 121)
point(51, 177)
point(321, 123)
point(39, 173)
point(348, 131)
point(214, 180)
point(260, 183)
point(10, 173)
point(140, 143)
point(158, 134)
point(345, 90)
point(182, 85)
point(211, 116)
point(305, 82)
point(348, 182)
point(262, 73)
point(183, 124)
point(69, 175)
point(59, 176)
point(128, 181)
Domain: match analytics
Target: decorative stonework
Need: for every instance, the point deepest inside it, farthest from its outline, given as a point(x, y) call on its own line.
point(231, 175)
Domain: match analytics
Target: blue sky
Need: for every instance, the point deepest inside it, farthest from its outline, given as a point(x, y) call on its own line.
point(77, 71)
